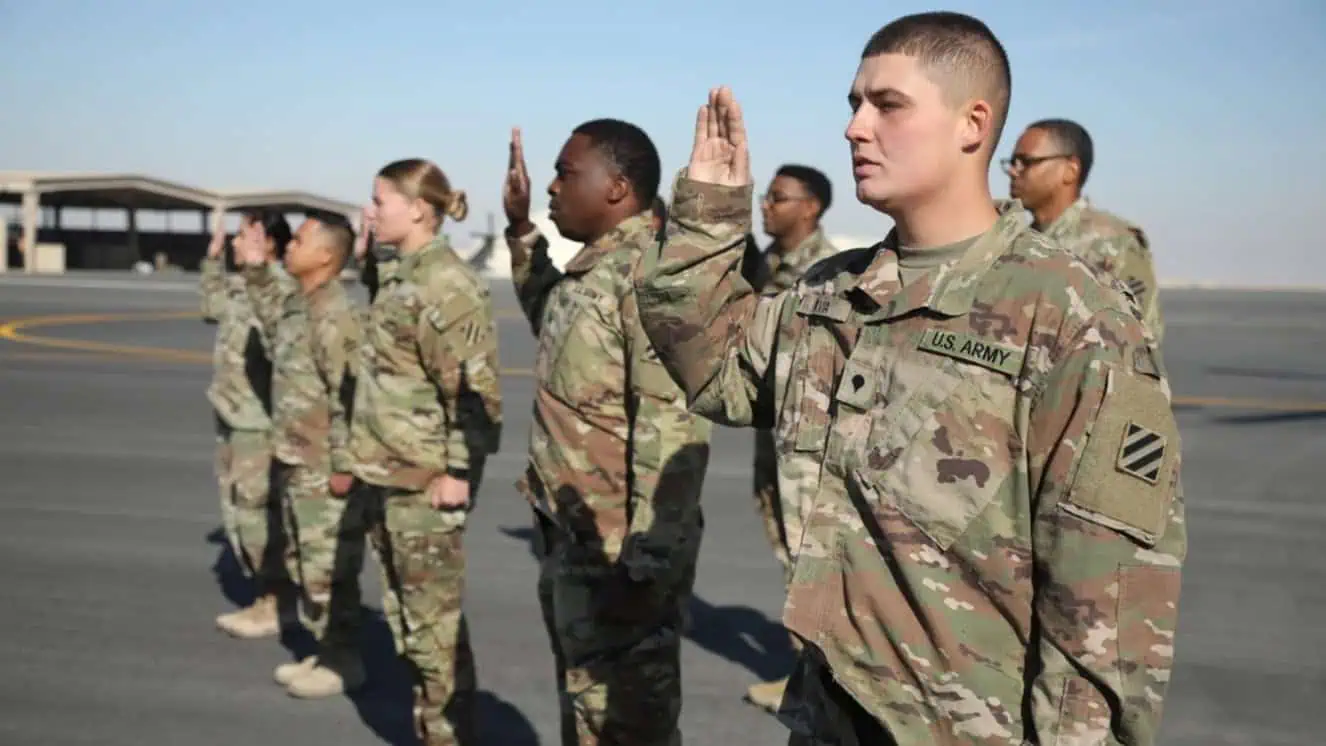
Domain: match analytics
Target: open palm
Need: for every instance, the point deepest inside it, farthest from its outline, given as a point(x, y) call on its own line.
point(720, 154)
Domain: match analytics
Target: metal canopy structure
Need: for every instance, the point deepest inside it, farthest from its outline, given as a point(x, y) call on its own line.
point(33, 190)
point(131, 191)
point(286, 201)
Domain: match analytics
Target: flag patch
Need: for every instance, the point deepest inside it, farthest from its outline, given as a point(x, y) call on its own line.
point(1142, 453)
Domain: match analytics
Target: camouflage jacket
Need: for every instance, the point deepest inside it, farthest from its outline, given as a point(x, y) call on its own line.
point(989, 462)
point(615, 459)
point(428, 396)
point(1116, 247)
point(314, 342)
point(241, 389)
point(784, 270)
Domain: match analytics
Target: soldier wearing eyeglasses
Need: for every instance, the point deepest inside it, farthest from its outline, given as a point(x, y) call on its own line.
point(1047, 172)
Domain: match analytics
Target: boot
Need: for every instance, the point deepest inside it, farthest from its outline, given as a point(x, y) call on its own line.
point(288, 672)
point(335, 674)
point(257, 621)
point(767, 695)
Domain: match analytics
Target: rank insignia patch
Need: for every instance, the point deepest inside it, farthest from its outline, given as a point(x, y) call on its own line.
point(1142, 453)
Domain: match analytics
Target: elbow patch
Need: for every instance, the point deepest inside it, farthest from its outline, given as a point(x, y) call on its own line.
point(1125, 480)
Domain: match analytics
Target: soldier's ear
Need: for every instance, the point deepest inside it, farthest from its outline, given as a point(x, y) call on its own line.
point(1072, 171)
point(618, 188)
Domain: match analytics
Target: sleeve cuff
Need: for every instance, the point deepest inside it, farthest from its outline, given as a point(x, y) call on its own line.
point(694, 201)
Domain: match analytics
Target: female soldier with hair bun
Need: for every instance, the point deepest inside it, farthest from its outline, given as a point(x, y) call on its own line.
point(427, 413)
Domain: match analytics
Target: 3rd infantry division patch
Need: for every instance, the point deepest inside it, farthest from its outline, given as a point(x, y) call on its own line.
point(1142, 453)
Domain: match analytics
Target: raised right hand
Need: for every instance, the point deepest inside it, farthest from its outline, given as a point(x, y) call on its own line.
point(720, 154)
point(515, 188)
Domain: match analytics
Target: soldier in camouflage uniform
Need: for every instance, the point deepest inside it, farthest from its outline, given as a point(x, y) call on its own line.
point(616, 462)
point(792, 210)
point(241, 397)
point(1047, 171)
point(427, 414)
point(315, 337)
point(982, 429)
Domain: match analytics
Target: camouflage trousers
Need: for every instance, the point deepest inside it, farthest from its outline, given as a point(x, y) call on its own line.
point(253, 521)
point(768, 501)
point(617, 648)
point(329, 541)
point(819, 712)
point(422, 555)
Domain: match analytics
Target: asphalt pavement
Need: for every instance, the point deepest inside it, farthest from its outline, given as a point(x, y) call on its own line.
point(113, 571)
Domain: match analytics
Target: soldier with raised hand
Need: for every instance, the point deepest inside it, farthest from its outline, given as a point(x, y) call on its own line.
point(1047, 172)
point(616, 463)
point(792, 209)
point(427, 413)
point(241, 398)
point(315, 337)
point(995, 529)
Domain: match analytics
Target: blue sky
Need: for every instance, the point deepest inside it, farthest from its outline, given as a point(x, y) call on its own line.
point(1203, 113)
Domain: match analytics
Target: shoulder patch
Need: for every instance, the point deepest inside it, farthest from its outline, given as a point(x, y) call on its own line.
point(1127, 469)
point(969, 348)
point(824, 305)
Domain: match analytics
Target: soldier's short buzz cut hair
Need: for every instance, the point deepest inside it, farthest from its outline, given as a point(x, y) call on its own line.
point(961, 53)
point(631, 151)
point(1072, 139)
point(338, 231)
point(813, 180)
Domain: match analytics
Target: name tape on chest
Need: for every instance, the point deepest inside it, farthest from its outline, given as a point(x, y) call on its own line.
point(824, 306)
point(581, 291)
point(968, 348)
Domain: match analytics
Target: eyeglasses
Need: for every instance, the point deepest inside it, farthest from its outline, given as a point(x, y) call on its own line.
point(1022, 162)
point(778, 199)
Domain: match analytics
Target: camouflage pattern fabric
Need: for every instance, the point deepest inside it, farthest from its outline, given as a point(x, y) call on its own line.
point(261, 539)
point(240, 393)
point(427, 403)
point(314, 340)
point(421, 553)
point(616, 466)
point(331, 541)
point(1115, 247)
point(783, 272)
point(241, 370)
point(428, 398)
point(988, 463)
point(616, 644)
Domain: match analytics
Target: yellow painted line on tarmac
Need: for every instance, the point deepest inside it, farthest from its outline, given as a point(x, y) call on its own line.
point(14, 332)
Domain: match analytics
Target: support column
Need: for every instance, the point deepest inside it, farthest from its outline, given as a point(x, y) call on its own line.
point(132, 233)
point(28, 244)
point(4, 244)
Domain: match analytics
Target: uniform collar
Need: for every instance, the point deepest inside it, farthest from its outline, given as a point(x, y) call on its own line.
point(636, 231)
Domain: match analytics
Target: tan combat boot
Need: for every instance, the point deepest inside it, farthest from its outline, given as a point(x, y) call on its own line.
point(767, 695)
point(332, 675)
point(257, 621)
point(288, 672)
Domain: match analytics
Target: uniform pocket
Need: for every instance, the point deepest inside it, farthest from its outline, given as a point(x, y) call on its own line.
point(942, 444)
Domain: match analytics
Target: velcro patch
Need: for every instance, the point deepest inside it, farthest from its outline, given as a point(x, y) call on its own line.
point(968, 348)
point(824, 306)
point(1125, 479)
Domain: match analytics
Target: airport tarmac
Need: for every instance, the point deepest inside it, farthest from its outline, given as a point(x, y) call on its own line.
point(112, 581)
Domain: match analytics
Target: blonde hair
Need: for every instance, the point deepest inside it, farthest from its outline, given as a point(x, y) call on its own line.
point(418, 178)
